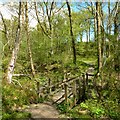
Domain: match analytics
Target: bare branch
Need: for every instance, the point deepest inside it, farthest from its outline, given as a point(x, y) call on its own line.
point(40, 22)
point(5, 26)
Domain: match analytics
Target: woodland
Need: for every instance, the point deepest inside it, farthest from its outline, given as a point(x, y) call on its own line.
point(68, 48)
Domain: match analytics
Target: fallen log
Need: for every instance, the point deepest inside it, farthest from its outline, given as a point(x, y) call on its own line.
point(22, 75)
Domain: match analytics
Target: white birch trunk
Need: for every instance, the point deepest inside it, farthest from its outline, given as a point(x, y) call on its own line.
point(12, 62)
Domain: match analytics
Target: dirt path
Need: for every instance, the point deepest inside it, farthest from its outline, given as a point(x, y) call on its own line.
point(43, 110)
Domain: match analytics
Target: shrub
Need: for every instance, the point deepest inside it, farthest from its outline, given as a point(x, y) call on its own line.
point(96, 109)
point(15, 97)
point(112, 108)
point(15, 115)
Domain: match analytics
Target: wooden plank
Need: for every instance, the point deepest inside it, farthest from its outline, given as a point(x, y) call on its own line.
point(22, 75)
point(90, 74)
point(58, 99)
point(61, 101)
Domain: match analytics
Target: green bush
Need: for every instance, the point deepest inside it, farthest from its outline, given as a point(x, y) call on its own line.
point(107, 108)
point(15, 97)
point(96, 109)
point(62, 107)
point(112, 108)
point(15, 115)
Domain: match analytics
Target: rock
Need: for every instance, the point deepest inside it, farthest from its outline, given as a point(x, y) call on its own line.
point(83, 112)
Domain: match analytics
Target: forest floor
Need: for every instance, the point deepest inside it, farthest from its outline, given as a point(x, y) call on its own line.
point(46, 109)
point(43, 110)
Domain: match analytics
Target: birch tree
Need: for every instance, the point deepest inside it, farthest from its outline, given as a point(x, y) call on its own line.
point(11, 65)
point(98, 14)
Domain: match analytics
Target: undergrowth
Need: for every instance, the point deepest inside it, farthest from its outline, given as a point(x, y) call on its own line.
point(14, 97)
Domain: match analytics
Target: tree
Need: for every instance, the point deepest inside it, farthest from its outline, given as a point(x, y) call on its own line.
point(49, 17)
point(109, 26)
point(47, 28)
point(28, 39)
point(116, 23)
point(98, 16)
point(117, 38)
point(71, 33)
point(15, 51)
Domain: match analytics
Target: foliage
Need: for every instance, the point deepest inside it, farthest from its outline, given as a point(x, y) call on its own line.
point(112, 108)
point(16, 115)
point(96, 109)
point(55, 65)
point(74, 113)
point(62, 107)
point(14, 97)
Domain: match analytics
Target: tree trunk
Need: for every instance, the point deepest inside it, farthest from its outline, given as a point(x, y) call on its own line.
point(22, 13)
point(71, 32)
point(49, 16)
point(95, 25)
point(28, 39)
point(81, 36)
point(109, 28)
point(15, 51)
point(98, 10)
point(89, 29)
point(116, 24)
point(117, 38)
point(103, 42)
point(109, 21)
point(87, 36)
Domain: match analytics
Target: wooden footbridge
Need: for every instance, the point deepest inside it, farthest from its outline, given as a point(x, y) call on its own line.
point(69, 91)
point(74, 88)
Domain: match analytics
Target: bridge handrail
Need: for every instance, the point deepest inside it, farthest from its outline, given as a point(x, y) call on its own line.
point(61, 83)
point(83, 77)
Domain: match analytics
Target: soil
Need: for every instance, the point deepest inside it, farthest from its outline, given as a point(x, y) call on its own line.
point(43, 110)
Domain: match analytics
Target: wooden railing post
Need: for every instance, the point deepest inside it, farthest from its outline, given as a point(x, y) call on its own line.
point(57, 82)
point(65, 76)
point(74, 92)
point(49, 83)
point(79, 88)
point(86, 82)
point(38, 90)
point(66, 94)
point(84, 88)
